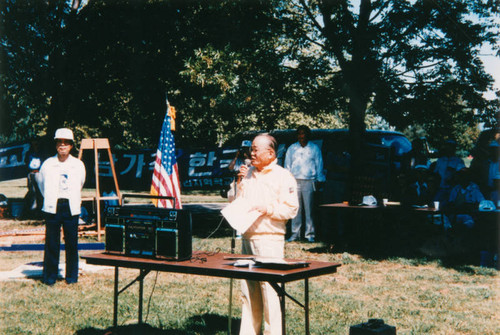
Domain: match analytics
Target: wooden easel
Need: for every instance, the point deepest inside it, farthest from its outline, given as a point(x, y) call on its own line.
point(96, 144)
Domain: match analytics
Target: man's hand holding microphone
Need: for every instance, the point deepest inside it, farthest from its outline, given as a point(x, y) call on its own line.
point(244, 170)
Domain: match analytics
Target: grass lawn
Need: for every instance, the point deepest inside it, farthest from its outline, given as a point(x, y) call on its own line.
point(416, 295)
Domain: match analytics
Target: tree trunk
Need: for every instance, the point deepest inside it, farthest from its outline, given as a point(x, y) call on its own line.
point(356, 108)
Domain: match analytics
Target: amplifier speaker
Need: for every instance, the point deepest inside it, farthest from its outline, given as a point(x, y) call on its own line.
point(174, 236)
point(115, 238)
point(166, 242)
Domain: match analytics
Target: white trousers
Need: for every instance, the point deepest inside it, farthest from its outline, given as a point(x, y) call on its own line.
point(259, 298)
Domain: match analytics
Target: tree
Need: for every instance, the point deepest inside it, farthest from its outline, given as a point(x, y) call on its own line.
point(28, 64)
point(408, 61)
point(104, 69)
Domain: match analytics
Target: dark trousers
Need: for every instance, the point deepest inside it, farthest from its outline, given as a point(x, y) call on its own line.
point(53, 244)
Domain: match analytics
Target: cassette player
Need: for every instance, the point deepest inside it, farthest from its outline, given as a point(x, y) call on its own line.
point(148, 231)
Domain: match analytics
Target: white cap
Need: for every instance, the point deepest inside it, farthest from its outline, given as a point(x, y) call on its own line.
point(486, 206)
point(369, 200)
point(421, 166)
point(64, 134)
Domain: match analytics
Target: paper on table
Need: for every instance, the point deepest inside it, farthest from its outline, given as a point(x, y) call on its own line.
point(279, 263)
point(240, 215)
point(271, 260)
point(270, 263)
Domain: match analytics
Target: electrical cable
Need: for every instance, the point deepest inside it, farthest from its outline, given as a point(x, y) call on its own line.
point(197, 257)
point(151, 295)
point(217, 228)
point(210, 235)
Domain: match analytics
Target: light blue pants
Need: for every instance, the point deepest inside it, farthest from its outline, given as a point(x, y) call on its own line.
point(305, 190)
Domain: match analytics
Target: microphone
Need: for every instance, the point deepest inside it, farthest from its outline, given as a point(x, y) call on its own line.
point(247, 163)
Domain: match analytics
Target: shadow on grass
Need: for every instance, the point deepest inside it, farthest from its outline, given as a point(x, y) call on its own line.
point(209, 324)
point(450, 252)
point(409, 235)
point(378, 240)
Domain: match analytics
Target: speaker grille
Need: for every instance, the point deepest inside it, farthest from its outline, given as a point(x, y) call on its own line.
point(114, 238)
point(166, 243)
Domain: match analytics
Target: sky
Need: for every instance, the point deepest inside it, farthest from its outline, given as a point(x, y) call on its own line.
point(492, 66)
point(487, 55)
point(491, 61)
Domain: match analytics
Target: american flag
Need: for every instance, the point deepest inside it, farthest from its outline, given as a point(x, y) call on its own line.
point(166, 175)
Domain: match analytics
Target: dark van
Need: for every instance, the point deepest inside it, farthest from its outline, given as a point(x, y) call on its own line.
point(384, 157)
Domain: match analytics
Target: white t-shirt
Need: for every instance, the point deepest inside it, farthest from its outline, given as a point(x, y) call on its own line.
point(63, 190)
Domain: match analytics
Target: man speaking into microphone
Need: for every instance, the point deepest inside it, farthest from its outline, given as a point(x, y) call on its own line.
point(272, 191)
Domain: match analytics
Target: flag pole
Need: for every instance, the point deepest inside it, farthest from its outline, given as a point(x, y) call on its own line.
point(233, 247)
point(230, 312)
point(165, 181)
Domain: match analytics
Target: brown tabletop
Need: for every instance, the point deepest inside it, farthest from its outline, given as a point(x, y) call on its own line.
point(216, 265)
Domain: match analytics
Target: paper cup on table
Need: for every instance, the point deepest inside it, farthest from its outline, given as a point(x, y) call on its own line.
point(436, 204)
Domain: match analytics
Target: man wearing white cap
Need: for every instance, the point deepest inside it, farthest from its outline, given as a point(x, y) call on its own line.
point(61, 180)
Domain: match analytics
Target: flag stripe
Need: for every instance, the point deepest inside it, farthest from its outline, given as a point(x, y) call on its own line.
point(167, 186)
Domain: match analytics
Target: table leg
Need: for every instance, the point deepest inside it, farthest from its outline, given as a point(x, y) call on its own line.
point(115, 299)
point(280, 289)
point(141, 291)
point(230, 311)
point(306, 304)
point(283, 310)
point(143, 273)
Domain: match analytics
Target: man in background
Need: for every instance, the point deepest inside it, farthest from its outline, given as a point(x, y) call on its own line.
point(447, 165)
point(304, 160)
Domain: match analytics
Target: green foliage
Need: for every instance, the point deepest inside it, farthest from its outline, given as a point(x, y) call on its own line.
point(229, 66)
point(31, 32)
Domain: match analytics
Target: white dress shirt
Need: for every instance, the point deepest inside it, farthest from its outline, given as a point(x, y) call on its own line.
point(305, 162)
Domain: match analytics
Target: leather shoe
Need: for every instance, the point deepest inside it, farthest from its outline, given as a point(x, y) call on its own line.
point(49, 282)
point(291, 239)
point(311, 239)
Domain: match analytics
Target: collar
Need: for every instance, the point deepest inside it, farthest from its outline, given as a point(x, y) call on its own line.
point(269, 167)
point(305, 146)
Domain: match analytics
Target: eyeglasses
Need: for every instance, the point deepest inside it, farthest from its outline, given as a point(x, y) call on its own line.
point(64, 142)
